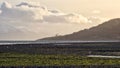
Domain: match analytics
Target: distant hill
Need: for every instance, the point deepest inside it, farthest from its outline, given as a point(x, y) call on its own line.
point(109, 30)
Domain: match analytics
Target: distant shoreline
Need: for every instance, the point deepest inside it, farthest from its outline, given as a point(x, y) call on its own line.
point(53, 41)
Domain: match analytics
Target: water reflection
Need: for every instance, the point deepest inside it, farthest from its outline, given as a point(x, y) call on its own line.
point(102, 56)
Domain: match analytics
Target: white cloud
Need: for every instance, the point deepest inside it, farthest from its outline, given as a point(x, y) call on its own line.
point(29, 4)
point(29, 12)
point(38, 21)
point(6, 5)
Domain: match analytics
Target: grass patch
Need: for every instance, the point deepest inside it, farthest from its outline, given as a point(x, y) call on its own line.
point(15, 59)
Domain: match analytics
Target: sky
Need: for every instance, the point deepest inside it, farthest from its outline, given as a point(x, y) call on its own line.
point(35, 19)
point(108, 8)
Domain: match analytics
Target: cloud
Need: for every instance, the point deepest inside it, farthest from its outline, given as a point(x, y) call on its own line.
point(30, 4)
point(6, 5)
point(29, 12)
point(33, 21)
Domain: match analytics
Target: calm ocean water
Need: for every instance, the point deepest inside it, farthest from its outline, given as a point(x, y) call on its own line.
point(37, 42)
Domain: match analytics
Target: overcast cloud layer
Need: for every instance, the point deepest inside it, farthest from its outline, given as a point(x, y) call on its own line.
point(33, 21)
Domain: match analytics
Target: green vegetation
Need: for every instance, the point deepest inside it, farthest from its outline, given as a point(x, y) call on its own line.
point(58, 55)
point(15, 59)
